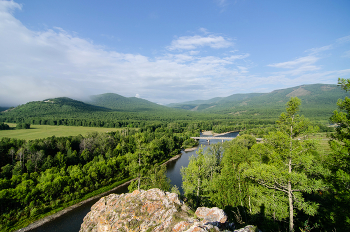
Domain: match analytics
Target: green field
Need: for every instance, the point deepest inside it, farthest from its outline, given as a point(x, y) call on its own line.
point(44, 131)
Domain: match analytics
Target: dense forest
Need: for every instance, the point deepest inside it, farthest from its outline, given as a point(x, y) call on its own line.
point(38, 176)
point(283, 183)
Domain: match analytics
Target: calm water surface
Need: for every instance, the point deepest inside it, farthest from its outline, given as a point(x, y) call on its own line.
point(71, 221)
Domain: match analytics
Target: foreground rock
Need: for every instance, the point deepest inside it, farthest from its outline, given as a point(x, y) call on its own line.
point(152, 210)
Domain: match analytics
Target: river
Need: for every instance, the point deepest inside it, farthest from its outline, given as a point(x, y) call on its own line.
point(71, 221)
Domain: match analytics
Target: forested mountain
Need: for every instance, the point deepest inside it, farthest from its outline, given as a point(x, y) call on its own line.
point(65, 111)
point(198, 105)
point(120, 103)
point(318, 101)
point(54, 106)
point(113, 110)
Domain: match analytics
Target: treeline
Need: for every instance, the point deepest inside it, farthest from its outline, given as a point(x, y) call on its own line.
point(43, 174)
point(280, 184)
point(4, 126)
point(76, 122)
point(217, 125)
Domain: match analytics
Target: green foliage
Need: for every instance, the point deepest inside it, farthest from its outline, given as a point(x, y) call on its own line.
point(188, 143)
point(263, 183)
point(38, 176)
point(307, 227)
point(198, 175)
point(4, 126)
point(291, 166)
point(154, 178)
point(23, 126)
point(339, 164)
point(120, 103)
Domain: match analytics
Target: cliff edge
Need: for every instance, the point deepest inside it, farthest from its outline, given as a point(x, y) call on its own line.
point(153, 210)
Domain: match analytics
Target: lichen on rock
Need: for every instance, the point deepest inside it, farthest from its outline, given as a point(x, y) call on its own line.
point(152, 210)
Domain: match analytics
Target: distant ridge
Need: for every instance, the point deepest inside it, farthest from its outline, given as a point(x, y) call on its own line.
point(117, 102)
point(317, 99)
point(318, 103)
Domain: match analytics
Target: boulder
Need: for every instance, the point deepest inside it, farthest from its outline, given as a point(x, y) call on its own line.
point(152, 210)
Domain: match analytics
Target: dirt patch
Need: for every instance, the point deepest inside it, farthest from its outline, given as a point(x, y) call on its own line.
point(191, 149)
point(207, 133)
point(238, 113)
point(327, 88)
point(299, 92)
point(195, 108)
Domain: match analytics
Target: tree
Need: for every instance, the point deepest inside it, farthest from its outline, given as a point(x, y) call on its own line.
point(154, 178)
point(339, 159)
point(198, 175)
point(139, 162)
point(229, 189)
point(193, 175)
point(291, 166)
point(4, 126)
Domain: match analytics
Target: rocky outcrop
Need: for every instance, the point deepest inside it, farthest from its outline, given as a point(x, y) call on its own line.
point(152, 210)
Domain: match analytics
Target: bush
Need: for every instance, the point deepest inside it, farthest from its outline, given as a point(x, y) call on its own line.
point(23, 125)
point(4, 126)
point(188, 143)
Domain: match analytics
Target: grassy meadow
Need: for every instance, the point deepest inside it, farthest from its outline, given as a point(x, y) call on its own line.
point(322, 145)
point(44, 131)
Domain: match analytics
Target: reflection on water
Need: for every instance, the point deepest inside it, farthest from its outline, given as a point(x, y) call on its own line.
point(71, 221)
point(174, 167)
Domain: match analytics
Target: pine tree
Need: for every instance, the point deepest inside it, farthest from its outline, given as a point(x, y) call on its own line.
point(339, 159)
point(290, 166)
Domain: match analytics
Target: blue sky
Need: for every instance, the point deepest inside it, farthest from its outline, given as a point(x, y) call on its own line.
point(169, 51)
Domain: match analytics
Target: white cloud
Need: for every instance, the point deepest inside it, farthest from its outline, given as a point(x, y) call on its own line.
point(343, 40)
point(36, 65)
point(292, 64)
point(346, 54)
point(137, 95)
point(7, 7)
point(222, 3)
point(321, 49)
point(193, 42)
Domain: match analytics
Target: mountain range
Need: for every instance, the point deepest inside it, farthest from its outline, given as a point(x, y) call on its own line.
point(318, 102)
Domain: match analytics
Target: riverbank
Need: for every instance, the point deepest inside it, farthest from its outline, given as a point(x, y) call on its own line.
point(211, 133)
point(172, 159)
point(64, 211)
point(52, 217)
point(191, 149)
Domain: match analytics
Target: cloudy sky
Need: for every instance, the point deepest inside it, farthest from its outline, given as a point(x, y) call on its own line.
point(169, 51)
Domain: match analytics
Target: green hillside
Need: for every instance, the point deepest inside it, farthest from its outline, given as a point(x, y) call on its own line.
point(53, 107)
point(318, 102)
point(191, 105)
point(130, 112)
point(126, 104)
